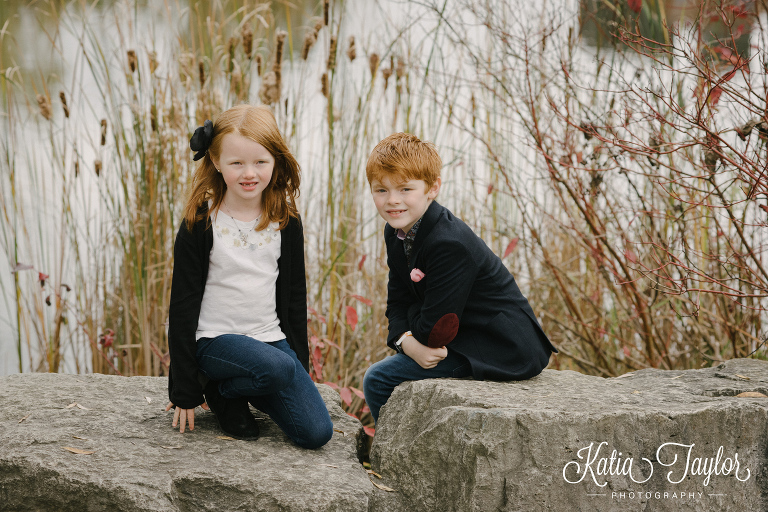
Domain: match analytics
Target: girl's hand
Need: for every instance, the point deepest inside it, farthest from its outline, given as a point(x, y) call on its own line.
point(425, 357)
point(183, 416)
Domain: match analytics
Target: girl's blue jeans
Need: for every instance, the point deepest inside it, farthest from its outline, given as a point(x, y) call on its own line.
point(271, 377)
point(383, 377)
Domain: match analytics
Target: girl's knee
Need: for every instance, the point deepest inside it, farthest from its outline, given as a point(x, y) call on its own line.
point(316, 434)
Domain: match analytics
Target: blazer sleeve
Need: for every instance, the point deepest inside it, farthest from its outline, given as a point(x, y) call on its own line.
point(450, 274)
point(297, 305)
point(187, 287)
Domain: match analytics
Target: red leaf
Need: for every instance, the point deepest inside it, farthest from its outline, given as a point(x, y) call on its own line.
point(317, 363)
point(357, 392)
point(351, 317)
point(626, 351)
point(332, 384)
point(370, 431)
point(365, 409)
point(362, 260)
point(714, 96)
point(635, 5)
point(510, 247)
point(630, 255)
point(367, 302)
point(346, 396)
point(490, 188)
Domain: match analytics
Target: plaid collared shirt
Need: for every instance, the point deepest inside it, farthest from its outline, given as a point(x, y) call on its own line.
point(408, 239)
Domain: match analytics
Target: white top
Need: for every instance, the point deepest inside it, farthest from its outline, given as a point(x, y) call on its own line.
point(240, 292)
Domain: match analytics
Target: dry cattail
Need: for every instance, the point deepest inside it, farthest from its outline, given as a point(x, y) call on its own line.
point(247, 35)
point(236, 82)
point(280, 36)
point(133, 61)
point(326, 11)
point(201, 71)
point(103, 132)
point(258, 64)
point(373, 62)
point(351, 51)
point(270, 89)
point(318, 26)
point(324, 84)
point(309, 40)
point(97, 167)
point(152, 61)
point(400, 69)
point(45, 106)
point(63, 98)
point(386, 73)
point(153, 117)
point(77, 168)
point(232, 45)
point(332, 53)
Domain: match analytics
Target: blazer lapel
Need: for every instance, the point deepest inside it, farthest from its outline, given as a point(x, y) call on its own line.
point(428, 221)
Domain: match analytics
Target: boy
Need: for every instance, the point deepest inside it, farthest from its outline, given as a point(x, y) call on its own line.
point(454, 310)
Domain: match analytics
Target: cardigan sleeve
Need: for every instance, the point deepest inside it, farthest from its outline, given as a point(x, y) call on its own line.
point(187, 287)
point(297, 305)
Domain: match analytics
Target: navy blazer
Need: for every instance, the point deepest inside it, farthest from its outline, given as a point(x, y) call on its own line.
point(190, 273)
point(498, 331)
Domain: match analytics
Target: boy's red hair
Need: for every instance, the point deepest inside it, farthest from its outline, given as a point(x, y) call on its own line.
point(402, 157)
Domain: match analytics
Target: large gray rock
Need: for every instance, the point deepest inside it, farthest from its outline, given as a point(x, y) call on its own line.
point(461, 445)
point(139, 462)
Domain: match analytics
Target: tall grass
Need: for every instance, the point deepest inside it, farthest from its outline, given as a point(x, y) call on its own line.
point(631, 254)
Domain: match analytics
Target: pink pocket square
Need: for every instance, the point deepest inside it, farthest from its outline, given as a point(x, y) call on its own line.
point(417, 275)
point(444, 331)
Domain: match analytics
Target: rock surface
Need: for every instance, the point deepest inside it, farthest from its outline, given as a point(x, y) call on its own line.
point(461, 445)
point(140, 463)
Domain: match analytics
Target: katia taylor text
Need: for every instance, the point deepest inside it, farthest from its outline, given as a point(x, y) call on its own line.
point(677, 460)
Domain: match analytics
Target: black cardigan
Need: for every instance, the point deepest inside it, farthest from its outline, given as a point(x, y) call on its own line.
point(498, 331)
point(190, 272)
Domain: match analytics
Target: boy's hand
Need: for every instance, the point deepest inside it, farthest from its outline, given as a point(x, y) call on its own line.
point(425, 357)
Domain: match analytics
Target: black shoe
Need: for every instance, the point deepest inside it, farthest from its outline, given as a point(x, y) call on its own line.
point(233, 414)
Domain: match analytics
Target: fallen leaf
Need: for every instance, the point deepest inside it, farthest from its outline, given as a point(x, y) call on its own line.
point(171, 447)
point(329, 466)
point(636, 392)
point(81, 438)
point(226, 438)
point(340, 432)
point(382, 487)
point(673, 378)
point(742, 376)
point(372, 472)
point(81, 407)
point(751, 394)
point(78, 451)
point(149, 400)
point(71, 405)
point(25, 417)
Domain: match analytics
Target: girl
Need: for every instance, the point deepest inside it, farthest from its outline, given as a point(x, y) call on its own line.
point(238, 314)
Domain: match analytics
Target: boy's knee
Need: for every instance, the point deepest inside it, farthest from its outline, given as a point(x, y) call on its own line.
point(282, 373)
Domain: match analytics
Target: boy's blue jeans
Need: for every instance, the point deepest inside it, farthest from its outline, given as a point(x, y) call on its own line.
point(383, 377)
point(272, 378)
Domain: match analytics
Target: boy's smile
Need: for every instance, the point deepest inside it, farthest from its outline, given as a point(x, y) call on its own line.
point(402, 204)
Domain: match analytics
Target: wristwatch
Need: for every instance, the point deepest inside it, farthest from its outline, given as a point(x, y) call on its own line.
point(399, 342)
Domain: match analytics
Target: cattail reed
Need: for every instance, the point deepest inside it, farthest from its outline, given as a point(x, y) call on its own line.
point(258, 64)
point(77, 168)
point(201, 72)
point(326, 11)
point(133, 61)
point(318, 26)
point(400, 69)
point(309, 40)
point(324, 84)
point(332, 54)
point(152, 61)
point(153, 117)
point(232, 45)
point(103, 132)
point(270, 89)
point(97, 167)
point(280, 36)
point(45, 106)
point(373, 63)
point(386, 73)
point(247, 35)
point(63, 98)
point(351, 51)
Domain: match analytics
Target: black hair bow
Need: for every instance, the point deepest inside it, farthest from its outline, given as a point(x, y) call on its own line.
point(201, 140)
